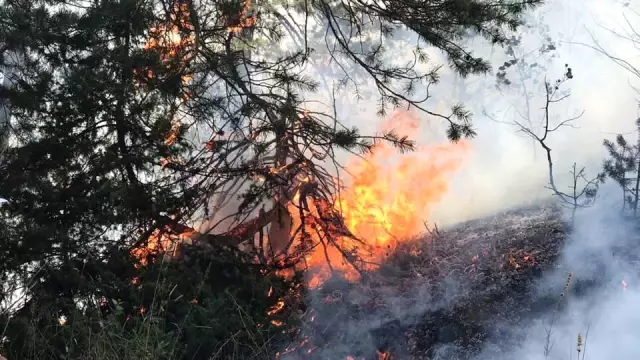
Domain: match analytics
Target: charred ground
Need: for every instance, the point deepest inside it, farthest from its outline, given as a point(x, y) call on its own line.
point(443, 295)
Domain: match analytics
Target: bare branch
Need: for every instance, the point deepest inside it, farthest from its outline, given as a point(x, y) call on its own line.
point(581, 195)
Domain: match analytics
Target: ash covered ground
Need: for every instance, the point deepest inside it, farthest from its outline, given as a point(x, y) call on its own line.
point(469, 292)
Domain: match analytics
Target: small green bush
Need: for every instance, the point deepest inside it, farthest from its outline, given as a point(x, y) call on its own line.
point(209, 304)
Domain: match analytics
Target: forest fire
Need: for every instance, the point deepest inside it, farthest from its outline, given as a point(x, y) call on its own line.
point(387, 199)
point(243, 20)
point(174, 39)
point(199, 180)
point(385, 203)
point(388, 194)
point(160, 242)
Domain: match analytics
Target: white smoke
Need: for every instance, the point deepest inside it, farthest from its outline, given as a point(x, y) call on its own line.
point(506, 168)
point(602, 252)
point(601, 301)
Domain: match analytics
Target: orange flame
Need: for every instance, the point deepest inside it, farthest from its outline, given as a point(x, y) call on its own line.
point(175, 39)
point(159, 243)
point(244, 20)
point(388, 198)
point(276, 308)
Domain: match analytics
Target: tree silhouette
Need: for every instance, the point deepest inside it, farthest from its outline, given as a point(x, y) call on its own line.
point(624, 160)
point(623, 156)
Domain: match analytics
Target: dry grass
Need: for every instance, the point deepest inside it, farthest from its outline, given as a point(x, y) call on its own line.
point(442, 291)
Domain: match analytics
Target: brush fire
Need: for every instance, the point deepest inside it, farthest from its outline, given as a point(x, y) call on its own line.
point(361, 244)
point(386, 201)
point(388, 196)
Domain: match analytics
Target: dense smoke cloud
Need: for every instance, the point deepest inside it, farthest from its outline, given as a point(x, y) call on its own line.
point(602, 252)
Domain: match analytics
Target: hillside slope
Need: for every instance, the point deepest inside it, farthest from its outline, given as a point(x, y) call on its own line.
point(439, 296)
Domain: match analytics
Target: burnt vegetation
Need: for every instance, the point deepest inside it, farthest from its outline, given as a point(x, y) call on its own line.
point(154, 155)
point(443, 295)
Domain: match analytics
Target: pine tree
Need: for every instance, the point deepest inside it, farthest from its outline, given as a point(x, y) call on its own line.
point(625, 160)
point(80, 169)
point(294, 143)
point(130, 119)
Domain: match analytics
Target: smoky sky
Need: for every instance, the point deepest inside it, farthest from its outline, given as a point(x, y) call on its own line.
point(505, 167)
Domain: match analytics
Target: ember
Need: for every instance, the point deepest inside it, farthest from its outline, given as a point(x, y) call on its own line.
point(243, 20)
point(276, 308)
point(383, 355)
point(173, 40)
point(384, 204)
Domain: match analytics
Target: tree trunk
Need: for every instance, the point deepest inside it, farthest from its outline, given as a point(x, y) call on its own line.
point(6, 80)
point(280, 229)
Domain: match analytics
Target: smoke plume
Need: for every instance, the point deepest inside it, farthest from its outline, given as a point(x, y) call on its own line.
point(506, 170)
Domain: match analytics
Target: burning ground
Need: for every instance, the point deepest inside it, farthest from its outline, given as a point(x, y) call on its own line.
point(445, 294)
point(442, 295)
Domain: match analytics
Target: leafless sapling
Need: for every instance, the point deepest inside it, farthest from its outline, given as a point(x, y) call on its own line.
point(583, 189)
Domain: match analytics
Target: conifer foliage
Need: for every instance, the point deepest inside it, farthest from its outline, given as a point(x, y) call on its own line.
point(131, 120)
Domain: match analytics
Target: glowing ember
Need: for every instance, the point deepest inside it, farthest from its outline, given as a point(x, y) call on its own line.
point(172, 136)
point(387, 200)
point(276, 308)
point(244, 20)
point(383, 355)
point(171, 139)
point(166, 162)
point(173, 40)
point(520, 258)
point(210, 145)
point(158, 243)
